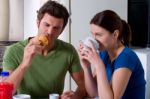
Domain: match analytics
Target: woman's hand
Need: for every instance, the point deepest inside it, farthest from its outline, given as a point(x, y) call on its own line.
point(85, 63)
point(91, 55)
point(69, 95)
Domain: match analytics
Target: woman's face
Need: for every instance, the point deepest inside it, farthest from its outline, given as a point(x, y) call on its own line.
point(105, 38)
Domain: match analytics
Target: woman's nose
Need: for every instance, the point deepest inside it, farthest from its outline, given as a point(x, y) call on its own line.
point(94, 36)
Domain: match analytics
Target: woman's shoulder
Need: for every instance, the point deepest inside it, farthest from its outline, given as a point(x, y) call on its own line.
point(128, 55)
point(127, 58)
point(128, 52)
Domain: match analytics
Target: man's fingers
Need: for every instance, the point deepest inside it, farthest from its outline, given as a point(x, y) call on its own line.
point(67, 95)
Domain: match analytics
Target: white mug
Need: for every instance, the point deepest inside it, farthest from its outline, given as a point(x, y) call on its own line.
point(54, 96)
point(89, 40)
point(22, 96)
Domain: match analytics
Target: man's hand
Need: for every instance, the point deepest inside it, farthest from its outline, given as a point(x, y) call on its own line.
point(70, 95)
point(30, 50)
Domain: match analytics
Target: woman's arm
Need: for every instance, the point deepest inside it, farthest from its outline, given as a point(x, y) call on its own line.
point(104, 88)
point(120, 81)
point(116, 89)
point(90, 83)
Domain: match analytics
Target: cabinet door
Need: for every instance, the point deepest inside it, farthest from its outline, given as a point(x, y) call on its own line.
point(4, 20)
point(16, 20)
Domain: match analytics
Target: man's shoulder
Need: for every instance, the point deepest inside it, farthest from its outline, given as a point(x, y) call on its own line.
point(18, 45)
point(64, 44)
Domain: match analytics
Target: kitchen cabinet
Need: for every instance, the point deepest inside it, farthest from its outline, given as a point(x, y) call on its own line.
point(16, 23)
point(4, 20)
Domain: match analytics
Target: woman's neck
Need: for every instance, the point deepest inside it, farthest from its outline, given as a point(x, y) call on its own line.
point(114, 52)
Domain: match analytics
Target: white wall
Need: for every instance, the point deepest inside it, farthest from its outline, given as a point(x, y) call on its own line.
point(84, 10)
point(30, 8)
point(65, 34)
point(16, 29)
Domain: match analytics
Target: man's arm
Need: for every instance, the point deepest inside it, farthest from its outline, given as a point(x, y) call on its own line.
point(16, 76)
point(79, 79)
point(80, 92)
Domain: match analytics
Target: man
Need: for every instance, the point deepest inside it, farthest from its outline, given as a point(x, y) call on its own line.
point(40, 70)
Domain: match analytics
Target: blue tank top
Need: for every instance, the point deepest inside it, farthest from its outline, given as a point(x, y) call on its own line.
point(127, 59)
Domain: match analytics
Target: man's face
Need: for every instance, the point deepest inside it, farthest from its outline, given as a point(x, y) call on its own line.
point(50, 26)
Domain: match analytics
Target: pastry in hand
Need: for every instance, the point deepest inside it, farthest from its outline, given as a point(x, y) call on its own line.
point(43, 39)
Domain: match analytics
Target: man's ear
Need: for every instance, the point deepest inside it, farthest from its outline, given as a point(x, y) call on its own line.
point(116, 33)
point(38, 23)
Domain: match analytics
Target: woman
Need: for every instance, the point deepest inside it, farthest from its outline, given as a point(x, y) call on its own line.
point(118, 72)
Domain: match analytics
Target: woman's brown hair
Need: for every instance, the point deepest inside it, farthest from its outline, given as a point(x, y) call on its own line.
point(110, 21)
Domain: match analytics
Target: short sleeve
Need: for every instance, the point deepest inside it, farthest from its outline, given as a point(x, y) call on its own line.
point(75, 65)
point(9, 61)
point(13, 55)
point(127, 59)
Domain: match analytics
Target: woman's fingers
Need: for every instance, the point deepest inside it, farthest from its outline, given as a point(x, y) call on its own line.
point(67, 95)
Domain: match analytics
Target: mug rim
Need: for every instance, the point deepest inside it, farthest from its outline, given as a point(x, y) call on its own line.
point(54, 94)
point(18, 96)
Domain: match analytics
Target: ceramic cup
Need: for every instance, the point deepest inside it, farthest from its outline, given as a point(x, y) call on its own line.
point(22, 96)
point(54, 96)
point(89, 40)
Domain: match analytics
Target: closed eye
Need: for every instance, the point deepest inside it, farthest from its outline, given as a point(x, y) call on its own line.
point(57, 28)
point(98, 35)
point(47, 25)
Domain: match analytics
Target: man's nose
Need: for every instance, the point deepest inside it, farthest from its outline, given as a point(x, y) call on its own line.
point(50, 31)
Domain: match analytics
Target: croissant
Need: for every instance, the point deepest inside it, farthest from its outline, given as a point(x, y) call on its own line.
point(43, 39)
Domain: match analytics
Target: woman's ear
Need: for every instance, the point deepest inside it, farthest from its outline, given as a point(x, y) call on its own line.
point(116, 34)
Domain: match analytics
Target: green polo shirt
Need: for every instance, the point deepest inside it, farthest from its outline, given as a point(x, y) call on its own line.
point(47, 73)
